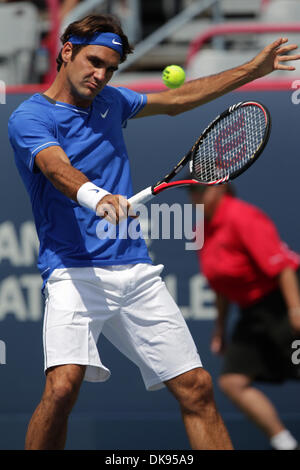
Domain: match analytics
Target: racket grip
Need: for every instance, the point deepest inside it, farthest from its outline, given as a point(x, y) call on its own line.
point(142, 197)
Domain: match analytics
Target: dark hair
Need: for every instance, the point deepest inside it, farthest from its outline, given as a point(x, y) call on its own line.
point(201, 188)
point(90, 25)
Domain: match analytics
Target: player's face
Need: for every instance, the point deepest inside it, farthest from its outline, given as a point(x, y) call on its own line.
point(91, 70)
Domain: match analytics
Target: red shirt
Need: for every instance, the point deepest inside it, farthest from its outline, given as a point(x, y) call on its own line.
point(242, 252)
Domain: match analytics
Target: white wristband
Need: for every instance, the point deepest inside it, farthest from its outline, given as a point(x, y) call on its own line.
point(88, 195)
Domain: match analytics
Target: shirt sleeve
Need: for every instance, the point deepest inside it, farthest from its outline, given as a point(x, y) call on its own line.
point(29, 134)
point(132, 103)
point(260, 238)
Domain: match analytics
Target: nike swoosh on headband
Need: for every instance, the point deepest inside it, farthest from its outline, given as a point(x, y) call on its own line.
point(115, 42)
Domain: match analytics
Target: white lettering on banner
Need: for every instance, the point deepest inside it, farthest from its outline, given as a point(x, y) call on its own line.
point(2, 92)
point(2, 352)
point(9, 246)
point(13, 299)
point(171, 283)
point(18, 254)
point(32, 283)
point(29, 243)
point(21, 297)
point(201, 298)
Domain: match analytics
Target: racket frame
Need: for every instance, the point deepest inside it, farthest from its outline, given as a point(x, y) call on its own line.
point(164, 183)
point(148, 193)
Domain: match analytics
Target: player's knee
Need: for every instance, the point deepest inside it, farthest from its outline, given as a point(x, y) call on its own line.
point(63, 393)
point(199, 392)
point(233, 383)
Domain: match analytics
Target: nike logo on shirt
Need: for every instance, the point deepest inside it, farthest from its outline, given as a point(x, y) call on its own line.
point(103, 115)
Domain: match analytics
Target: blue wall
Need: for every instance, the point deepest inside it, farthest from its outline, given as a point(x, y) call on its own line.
point(120, 414)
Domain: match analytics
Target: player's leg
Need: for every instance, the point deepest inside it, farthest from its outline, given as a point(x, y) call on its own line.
point(255, 404)
point(151, 331)
point(72, 324)
point(48, 426)
point(203, 423)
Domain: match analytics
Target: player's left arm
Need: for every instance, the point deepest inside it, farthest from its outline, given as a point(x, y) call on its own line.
point(202, 90)
point(217, 344)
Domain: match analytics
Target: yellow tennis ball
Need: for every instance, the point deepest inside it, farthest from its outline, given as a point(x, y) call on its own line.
point(173, 76)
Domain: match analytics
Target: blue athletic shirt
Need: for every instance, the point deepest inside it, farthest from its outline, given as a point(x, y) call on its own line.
point(93, 140)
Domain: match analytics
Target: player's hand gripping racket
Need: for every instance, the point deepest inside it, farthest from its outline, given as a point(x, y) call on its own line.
point(226, 148)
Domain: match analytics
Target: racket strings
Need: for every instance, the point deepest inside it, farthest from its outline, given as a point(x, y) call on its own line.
point(230, 144)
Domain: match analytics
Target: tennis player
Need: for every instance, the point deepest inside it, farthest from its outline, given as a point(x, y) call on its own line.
point(261, 275)
point(70, 153)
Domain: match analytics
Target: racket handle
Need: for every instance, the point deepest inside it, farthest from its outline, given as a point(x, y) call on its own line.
point(142, 197)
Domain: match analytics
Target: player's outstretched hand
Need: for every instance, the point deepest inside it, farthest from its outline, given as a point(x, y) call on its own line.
point(274, 57)
point(114, 208)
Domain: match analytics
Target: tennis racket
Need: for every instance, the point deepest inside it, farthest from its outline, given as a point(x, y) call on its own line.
point(227, 147)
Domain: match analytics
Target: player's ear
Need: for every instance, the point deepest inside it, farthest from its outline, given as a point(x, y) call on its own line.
point(66, 52)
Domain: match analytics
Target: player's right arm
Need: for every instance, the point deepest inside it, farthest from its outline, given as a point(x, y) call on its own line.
point(56, 166)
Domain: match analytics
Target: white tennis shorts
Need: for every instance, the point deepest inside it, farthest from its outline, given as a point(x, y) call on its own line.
point(132, 307)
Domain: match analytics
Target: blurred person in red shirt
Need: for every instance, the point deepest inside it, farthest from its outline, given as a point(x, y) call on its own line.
point(246, 263)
